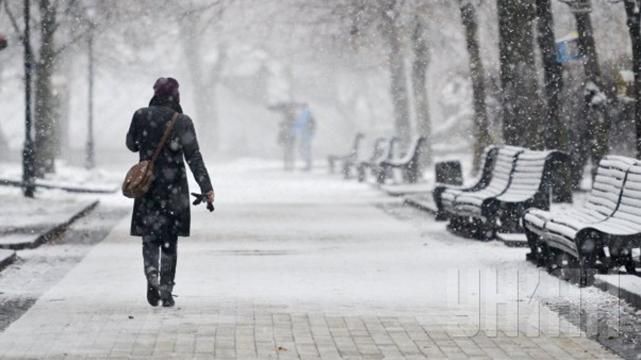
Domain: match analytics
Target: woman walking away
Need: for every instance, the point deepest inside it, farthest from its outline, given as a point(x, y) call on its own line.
point(162, 213)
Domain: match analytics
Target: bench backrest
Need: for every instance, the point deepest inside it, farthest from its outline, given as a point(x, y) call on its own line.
point(487, 166)
point(503, 168)
point(608, 184)
point(629, 207)
point(530, 173)
point(388, 150)
point(414, 151)
point(379, 148)
point(358, 139)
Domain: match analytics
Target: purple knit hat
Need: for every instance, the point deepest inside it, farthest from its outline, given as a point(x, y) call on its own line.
point(167, 87)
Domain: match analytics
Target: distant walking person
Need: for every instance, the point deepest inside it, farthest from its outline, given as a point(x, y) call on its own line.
point(305, 126)
point(162, 213)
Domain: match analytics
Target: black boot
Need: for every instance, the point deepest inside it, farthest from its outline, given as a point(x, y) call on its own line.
point(151, 258)
point(166, 296)
point(168, 259)
point(153, 295)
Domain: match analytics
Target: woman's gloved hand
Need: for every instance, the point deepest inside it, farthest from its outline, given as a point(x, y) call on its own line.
point(208, 198)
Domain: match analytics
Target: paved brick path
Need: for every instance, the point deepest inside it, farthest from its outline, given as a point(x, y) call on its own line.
point(303, 267)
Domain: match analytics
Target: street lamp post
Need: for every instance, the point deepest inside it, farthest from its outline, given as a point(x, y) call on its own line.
point(27, 153)
point(91, 161)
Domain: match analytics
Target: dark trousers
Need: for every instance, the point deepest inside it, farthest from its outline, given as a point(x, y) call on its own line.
point(288, 154)
point(160, 254)
point(305, 148)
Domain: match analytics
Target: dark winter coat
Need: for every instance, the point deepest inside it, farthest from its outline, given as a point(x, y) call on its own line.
point(165, 207)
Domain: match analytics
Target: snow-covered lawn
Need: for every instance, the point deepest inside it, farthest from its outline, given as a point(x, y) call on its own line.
point(67, 176)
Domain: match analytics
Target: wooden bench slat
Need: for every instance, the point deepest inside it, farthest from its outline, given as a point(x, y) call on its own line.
point(409, 163)
point(613, 208)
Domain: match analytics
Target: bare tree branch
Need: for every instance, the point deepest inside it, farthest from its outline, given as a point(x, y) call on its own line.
point(13, 21)
point(71, 42)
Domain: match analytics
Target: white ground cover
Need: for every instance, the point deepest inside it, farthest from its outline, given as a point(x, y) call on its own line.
point(301, 243)
point(67, 175)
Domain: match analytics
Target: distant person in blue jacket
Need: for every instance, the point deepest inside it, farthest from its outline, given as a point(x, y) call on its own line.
point(304, 128)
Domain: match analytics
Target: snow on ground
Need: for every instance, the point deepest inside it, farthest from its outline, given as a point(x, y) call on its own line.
point(306, 243)
point(67, 175)
point(299, 239)
point(49, 207)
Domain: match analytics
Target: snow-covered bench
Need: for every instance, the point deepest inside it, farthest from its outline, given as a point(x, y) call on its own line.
point(498, 183)
point(501, 204)
point(491, 152)
point(352, 163)
point(616, 237)
point(383, 152)
point(580, 243)
point(600, 204)
point(333, 159)
point(409, 164)
point(530, 187)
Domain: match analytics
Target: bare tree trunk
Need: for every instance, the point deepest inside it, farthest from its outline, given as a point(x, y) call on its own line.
point(555, 134)
point(521, 105)
point(4, 147)
point(419, 83)
point(398, 78)
point(28, 167)
point(45, 124)
point(63, 100)
point(595, 108)
point(588, 47)
point(4, 144)
point(634, 27)
point(204, 82)
point(482, 137)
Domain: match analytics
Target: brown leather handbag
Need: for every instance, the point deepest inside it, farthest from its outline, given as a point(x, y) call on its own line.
point(140, 176)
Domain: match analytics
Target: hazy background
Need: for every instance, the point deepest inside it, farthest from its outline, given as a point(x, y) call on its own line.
point(251, 53)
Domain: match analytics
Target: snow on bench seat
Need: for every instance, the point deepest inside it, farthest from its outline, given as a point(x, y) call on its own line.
point(610, 218)
point(626, 220)
point(500, 206)
point(409, 164)
point(473, 213)
point(444, 193)
point(498, 184)
point(529, 178)
point(560, 231)
point(351, 156)
point(382, 151)
point(599, 205)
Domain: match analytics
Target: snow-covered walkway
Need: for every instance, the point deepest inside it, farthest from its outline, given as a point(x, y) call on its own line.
point(304, 266)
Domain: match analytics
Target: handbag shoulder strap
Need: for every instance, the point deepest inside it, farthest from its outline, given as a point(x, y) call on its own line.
point(165, 137)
